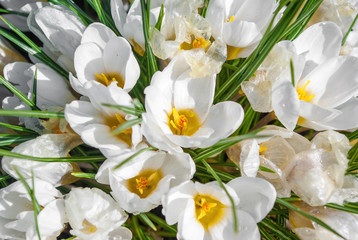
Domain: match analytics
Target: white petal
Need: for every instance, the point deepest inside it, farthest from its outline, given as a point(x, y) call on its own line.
point(240, 33)
point(97, 33)
point(224, 118)
point(313, 112)
point(257, 196)
point(285, 103)
point(118, 58)
point(118, 14)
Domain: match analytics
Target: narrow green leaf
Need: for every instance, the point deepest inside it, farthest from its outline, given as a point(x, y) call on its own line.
point(158, 25)
point(128, 110)
point(32, 113)
point(345, 208)
point(84, 175)
point(292, 73)
point(312, 218)
point(161, 222)
point(277, 229)
point(137, 228)
point(126, 125)
point(15, 139)
point(223, 175)
point(2, 10)
point(265, 169)
point(14, 90)
point(34, 87)
point(18, 128)
point(204, 9)
point(31, 192)
point(133, 156)
point(48, 159)
point(146, 220)
point(217, 178)
point(349, 30)
point(32, 48)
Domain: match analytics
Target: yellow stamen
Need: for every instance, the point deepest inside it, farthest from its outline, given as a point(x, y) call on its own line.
point(107, 78)
point(262, 149)
point(208, 210)
point(183, 122)
point(113, 122)
point(88, 227)
point(230, 19)
point(144, 183)
point(196, 43)
point(303, 95)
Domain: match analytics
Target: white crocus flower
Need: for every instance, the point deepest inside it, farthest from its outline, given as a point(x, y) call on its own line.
point(341, 12)
point(94, 215)
point(60, 40)
point(106, 58)
point(323, 94)
point(241, 24)
point(139, 185)
point(276, 153)
point(318, 174)
point(130, 24)
point(344, 223)
point(17, 214)
point(180, 111)
point(47, 145)
point(204, 211)
point(187, 33)
point(52, 89)
point(95, 122)
point(23, 6)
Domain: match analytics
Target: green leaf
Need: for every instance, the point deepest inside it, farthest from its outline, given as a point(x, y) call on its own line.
point(277, 229)
point(217, 178)
point(162, 222)
point(32, 113)
point(102, 15)
point(14, 90)
point(312, 218)
point(34, 87)
point(2, 10)
point(158, 25)
point(31, 48)
point(292, 73)
point(126, 125)
point(31, 192)
point(48, 159)
point(147, 221)
point(15, 139)
point(18, 128)
point(133, 156)
point(349, 30)
point(84, 175)
point(346, 208)
point(127, 110)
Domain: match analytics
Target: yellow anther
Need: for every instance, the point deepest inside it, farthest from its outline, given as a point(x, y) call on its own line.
point(184, 122)
point(107, 78)
point(230, 19)
point(262, 149)
point(208, 210)
point(88, 227)
point(196, 43)
point(302, 94)
point(144, 183)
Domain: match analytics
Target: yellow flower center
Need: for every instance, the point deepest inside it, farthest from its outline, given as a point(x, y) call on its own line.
point(113, 122)
point(144, 183)
point(88, 227)
point(208, 210)
point(107, 78)
point(302, 93)
point(183, 122)
point(195, 43)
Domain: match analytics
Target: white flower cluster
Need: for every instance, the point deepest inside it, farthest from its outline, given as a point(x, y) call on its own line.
point(311, 81)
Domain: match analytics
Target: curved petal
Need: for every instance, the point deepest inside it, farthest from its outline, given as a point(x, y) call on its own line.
point(224, 118)
point(118, 58)
point(88, 61)
point(240, 33)
point(313, 112)
point(286, 105)
point(257, 196)
point(118, 14)
point(97, 33)
point(333, 82)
